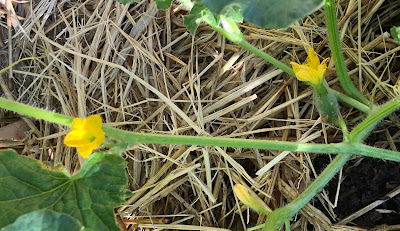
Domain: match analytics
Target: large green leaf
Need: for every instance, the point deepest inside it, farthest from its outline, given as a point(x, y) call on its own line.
point(90, 196)
point(45, 220)
point(267, 13)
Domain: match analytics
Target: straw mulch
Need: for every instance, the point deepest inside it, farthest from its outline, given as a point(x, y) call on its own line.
point(141, 70)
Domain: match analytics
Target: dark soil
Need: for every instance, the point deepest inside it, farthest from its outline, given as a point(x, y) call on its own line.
point(366, 181)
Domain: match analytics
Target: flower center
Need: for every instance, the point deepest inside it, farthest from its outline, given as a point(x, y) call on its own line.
point(89, 138)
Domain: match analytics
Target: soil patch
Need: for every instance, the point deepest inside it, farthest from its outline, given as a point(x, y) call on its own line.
point(366, 181)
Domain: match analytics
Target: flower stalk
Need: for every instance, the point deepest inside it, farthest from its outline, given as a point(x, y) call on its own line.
point(337, 53)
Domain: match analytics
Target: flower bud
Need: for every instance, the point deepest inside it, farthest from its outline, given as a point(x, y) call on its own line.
point(247, 198)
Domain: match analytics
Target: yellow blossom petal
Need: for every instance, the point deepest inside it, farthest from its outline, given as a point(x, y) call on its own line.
point(92, 122)
point(312, 59)
point(312, 70)
point(78, 138)
point(296, 67)
point(325, 62)
point(77, 124)
point(85, 151)
point(100, 137)
point(86, 135)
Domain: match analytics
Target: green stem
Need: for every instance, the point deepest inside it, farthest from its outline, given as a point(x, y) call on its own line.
point(36, 112)
point(277, 217)
point(256, 227)
point(361, 131)
point(266, 57)
point(350, 101)
point(145, 138)
point(287, 225)
point(239, 40)
point(337, 53)
point(345, 132)
point(379, 153)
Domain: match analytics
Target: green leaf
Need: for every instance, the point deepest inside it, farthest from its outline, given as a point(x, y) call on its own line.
point(45, 220)
point(193, 20)
point(90, 196)
point(267, 13)
point(163, 4)
point(395, 32)
point(127, 1)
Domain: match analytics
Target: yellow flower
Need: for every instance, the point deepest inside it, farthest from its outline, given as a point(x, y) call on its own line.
point(312, 70)
point(86, 135)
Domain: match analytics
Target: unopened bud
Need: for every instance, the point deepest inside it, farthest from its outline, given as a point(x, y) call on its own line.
point(247, 198)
